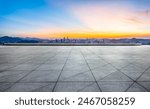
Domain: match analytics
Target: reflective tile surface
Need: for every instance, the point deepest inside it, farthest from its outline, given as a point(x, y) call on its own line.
point(75, 68)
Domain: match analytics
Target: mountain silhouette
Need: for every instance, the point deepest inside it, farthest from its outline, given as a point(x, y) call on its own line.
point(8, 39)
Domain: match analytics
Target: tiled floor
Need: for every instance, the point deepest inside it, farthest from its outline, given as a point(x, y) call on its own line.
point(75, 68)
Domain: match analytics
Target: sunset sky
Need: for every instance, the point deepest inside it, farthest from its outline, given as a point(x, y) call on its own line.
point(75, 18)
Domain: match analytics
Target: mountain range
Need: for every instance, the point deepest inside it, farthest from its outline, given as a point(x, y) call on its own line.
point(9, 39)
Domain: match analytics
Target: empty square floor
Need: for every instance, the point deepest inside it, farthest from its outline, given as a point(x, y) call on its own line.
point(74, 68)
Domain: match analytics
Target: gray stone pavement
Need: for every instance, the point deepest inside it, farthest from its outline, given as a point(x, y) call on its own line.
point(75, 68)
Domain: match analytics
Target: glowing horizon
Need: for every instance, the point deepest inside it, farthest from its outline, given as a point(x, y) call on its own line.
point(75, 18)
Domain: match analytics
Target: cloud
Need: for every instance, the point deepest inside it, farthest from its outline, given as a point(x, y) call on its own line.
point(111, 18)
point(134, 20)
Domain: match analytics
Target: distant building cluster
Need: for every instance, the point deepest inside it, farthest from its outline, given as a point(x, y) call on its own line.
point(67, 40)
point(97, 41)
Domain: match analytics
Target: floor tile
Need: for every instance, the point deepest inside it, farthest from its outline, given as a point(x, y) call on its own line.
point(86, 76)
point(145, 77)
point(71, 86)
point(29, 87)
point(145, 84)
point(50, 67)
point(136, 88)
point(101, 72)
point(12, 76)
point(116, 76)
point(4, 86)
point(114, 86)
point(42, 76)
point(25, 67)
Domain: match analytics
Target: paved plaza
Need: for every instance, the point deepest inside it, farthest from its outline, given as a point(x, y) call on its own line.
point(75, 68)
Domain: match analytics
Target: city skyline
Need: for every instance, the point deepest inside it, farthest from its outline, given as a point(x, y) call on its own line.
point(75, 18)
